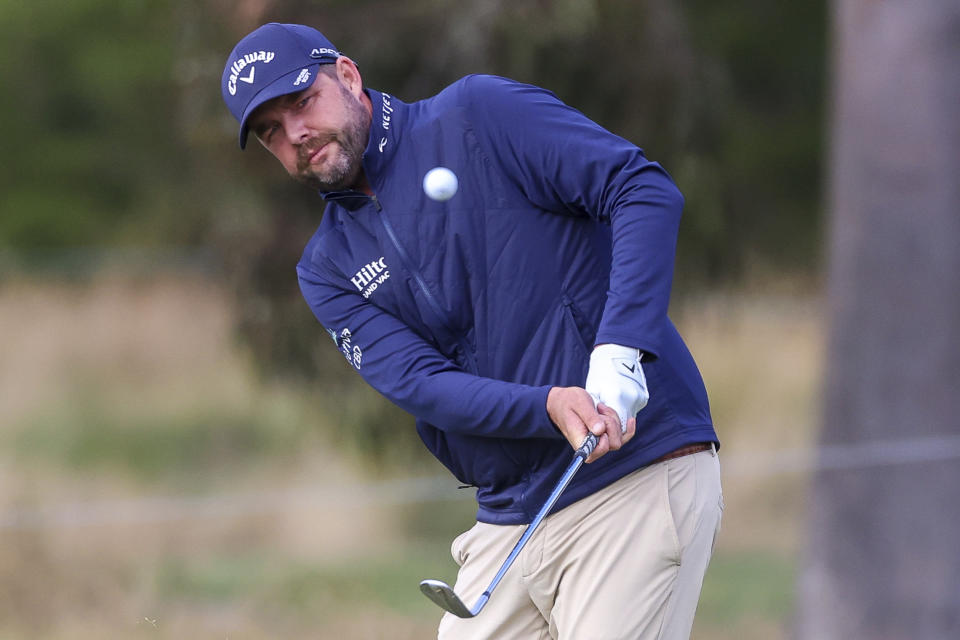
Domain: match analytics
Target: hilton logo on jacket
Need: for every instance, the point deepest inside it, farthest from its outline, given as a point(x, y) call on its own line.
point(371, 276)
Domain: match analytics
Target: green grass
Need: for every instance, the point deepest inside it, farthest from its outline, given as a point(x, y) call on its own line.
point(386, 580)
point(742, 588)
point(180, 448)
point(92, 429)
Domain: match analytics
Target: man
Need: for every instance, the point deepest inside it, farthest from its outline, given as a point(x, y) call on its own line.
point(511, 319)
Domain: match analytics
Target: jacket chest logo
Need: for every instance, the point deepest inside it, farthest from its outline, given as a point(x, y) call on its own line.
point(370, 276)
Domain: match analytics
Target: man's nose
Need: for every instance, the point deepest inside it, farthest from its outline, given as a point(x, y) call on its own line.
point(296, 128)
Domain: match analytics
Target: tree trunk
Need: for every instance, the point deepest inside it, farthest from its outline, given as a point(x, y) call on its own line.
point(884, 554)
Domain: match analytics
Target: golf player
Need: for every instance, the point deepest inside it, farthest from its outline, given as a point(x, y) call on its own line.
point(514, 313)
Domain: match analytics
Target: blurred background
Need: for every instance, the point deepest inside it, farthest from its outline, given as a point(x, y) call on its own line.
point(183, 453)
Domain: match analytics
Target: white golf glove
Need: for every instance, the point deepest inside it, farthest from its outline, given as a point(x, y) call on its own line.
point(616, 379)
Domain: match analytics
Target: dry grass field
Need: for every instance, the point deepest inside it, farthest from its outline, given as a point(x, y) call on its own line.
point(152, 487)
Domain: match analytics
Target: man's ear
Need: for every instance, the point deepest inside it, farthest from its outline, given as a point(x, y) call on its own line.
point(349, 75)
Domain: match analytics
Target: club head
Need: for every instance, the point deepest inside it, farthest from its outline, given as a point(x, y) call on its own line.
point(441, 594)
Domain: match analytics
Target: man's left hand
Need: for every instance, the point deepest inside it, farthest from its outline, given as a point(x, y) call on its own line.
point(616, 379)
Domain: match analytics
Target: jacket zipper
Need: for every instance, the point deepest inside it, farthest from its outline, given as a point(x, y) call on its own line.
point(422, 285)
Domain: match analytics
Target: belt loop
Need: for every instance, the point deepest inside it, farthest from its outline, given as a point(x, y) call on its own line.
point(713, 449)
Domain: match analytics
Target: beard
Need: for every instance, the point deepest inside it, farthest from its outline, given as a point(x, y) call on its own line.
point(342, 169)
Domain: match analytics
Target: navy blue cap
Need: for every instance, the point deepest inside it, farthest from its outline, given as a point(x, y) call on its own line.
point(273, 60)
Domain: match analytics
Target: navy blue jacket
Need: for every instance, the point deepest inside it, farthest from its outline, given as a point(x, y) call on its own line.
point(464, 313)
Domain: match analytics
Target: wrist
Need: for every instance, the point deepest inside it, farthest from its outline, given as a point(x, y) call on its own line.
point(611, 350)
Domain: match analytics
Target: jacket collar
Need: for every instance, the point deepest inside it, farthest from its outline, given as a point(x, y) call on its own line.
point(382, 145)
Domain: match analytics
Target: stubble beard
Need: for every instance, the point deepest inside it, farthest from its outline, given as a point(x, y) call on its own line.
point(342, 170)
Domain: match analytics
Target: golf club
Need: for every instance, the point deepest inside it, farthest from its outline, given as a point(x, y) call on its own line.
point(443, 595)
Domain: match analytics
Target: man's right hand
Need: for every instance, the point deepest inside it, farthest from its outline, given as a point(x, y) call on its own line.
point(572, 410)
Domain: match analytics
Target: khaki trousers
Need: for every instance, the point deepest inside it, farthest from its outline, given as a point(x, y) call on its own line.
point(625, 563)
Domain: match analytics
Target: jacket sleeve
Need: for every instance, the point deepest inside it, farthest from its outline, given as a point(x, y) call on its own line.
point(563, 161)
point(414, 375)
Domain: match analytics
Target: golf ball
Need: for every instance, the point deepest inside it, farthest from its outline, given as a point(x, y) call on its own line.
point(440, 184)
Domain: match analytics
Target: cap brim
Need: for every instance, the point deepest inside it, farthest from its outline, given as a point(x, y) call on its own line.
point(282, 86)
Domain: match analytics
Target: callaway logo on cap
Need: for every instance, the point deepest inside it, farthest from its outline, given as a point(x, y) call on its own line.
point(274, 60)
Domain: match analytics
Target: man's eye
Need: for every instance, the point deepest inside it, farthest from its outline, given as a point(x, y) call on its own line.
point(268, 132)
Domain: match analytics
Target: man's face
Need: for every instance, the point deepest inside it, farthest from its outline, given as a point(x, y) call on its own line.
point(318, 134)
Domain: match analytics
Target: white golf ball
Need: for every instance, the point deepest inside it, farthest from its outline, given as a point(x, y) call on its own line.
point(440, 184)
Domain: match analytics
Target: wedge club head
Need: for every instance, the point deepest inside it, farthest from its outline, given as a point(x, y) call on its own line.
point(443, 595)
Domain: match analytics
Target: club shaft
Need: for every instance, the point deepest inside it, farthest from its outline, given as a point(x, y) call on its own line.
point(582, 454)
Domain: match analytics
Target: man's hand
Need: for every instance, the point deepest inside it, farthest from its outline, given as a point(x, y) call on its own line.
point(573, 411)
point(616, 379)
